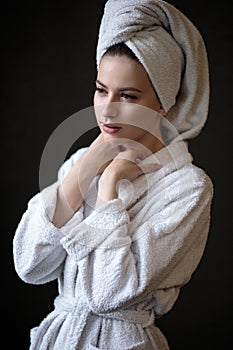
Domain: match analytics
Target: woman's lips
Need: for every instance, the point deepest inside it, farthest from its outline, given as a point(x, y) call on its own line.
point(111, 128)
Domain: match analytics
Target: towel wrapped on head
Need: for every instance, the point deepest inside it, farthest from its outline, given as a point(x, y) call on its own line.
point(172, 51)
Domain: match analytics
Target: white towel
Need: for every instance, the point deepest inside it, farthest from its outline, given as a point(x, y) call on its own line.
point(172, 51)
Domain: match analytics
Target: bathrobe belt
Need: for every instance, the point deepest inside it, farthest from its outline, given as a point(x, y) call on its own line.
point(82, 311)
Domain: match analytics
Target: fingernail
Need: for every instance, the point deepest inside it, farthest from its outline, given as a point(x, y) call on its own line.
point(121, 148)
point(158, 166)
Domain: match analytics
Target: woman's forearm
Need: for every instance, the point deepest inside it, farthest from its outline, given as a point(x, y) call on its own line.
point(71, 193)
point(107, 190)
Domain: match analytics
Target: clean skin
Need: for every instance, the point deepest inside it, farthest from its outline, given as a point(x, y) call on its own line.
point(123, 95)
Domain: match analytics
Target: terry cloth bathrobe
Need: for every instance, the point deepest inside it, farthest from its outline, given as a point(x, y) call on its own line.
point(121, 267)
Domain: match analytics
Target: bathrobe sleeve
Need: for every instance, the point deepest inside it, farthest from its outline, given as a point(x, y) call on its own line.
point(37, 251)
point(159, 252)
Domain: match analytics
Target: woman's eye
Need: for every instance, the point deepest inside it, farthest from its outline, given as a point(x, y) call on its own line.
point(100, 90)
point(128, 97)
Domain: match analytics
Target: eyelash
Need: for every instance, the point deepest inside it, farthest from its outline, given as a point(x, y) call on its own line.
point(128, 97)
point(100, 90)
point(123, 95)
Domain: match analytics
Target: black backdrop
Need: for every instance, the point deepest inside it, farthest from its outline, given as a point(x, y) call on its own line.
point(47, 74)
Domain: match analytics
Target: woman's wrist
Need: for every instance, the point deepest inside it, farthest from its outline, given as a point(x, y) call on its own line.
point(72, 192)
point(107, 190)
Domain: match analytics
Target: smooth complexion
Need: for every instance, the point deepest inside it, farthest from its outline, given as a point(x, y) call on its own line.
point(122, 84)
point(123, 80)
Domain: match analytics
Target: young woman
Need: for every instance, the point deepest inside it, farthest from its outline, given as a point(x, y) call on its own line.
point(127, 221)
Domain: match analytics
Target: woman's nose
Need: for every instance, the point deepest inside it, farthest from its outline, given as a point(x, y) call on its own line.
point(110, 109)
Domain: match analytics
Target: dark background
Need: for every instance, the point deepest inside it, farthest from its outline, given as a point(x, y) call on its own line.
point(47, 74)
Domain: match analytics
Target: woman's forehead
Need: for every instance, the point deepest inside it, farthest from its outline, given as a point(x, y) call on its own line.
point(122, 70)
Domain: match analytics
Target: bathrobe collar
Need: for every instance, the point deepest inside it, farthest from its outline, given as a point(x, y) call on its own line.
point(172, 157)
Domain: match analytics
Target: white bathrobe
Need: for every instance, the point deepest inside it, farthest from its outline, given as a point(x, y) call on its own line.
point(121, 267)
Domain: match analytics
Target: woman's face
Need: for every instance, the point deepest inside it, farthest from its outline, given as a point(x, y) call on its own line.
point(125, 101)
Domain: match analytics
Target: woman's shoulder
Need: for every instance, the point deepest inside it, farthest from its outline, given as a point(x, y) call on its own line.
point(76, 155)
point(180, 168)
point(187, 170)
point(196, 177)
point(70, 161)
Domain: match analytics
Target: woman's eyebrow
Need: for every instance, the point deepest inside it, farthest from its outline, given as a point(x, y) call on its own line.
point(128, 88)
point(99, 82)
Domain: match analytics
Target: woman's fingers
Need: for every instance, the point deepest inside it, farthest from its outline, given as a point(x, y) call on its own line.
point(133, 155)
point(150, 168)
point(102, 153)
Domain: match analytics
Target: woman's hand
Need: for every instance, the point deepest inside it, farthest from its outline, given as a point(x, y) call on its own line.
point(98, 155)
point(72, 191)
point(126, 165)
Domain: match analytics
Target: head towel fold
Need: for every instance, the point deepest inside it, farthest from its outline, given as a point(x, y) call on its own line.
point(172, 51)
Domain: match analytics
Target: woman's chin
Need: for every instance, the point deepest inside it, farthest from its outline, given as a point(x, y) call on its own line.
point(109, 137)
